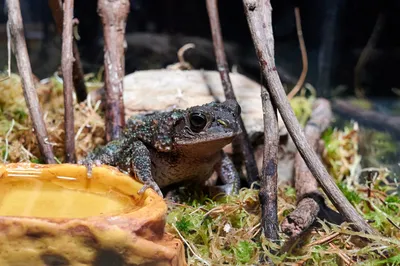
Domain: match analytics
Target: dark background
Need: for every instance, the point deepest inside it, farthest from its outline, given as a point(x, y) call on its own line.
point(335, 32)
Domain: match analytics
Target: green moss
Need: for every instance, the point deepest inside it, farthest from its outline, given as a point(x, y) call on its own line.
point(184, 225)
point(244, 251)
point(352, 196)
point(392, 205)
point(302, 108)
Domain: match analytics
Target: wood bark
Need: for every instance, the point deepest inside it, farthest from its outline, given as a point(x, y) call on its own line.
point(78, 77)
point(258, 14)
point(242, 142)
point(25, 71)
point(66, 63)
point(310, 200)
point(269, 177)
point(113, 15)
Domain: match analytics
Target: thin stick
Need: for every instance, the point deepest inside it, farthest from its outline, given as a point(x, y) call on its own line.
point(244, 141)
point(113, 16)
point(269, 177)
point(258, 14)
point(8, 50)
point(66, 62)
point(25, 71)
point(6, 140)
point(182, 51)
point(324, 240)
point(79, 80)
point(304, 58)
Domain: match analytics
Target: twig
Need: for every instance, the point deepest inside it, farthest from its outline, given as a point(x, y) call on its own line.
point(8, 50)
point(269, 177)
point(182, 51)
point(393, 223)
point(243, 141)
point(7, 135)
point(258, 14)
point(25, 71)
point(79, 80)
point(310, 200)
point(66, 62)
point(324, 240)
point(182, 64)
point(113, 16)
point(366, 52)
point(346, 259)
point(304, 58)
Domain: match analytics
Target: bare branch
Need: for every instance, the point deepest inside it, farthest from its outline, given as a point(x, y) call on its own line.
point(243, 142)
point(66, 62)
point(25, 71)
point(113, 15)
point(79, 81)
point(258, 14)
point(269, 177)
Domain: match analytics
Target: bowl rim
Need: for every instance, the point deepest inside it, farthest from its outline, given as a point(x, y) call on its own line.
point(153, 206)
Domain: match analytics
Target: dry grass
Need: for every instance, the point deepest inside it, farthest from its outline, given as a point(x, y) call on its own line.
point(22, 144)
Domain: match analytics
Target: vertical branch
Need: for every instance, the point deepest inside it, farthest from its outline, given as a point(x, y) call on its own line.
point(269, 177)
point(66, 62)
point(222, 65)
point(258, 14)
point(78, 77)
point(113, 15)
point(219, 49)
point(79, 82)
point(25, 71)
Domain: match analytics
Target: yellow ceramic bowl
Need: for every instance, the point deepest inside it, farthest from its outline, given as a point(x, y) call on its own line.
point(56, 215)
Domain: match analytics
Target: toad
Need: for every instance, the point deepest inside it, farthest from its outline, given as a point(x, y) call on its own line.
point(178, 146)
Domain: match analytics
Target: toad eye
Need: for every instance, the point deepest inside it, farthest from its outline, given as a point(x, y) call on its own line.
point(198, 121)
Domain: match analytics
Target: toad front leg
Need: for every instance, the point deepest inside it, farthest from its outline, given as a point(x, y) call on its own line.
point(141, 165)
point(133, 158)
